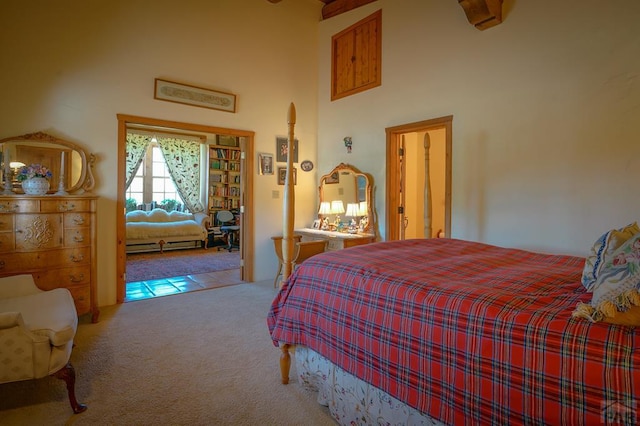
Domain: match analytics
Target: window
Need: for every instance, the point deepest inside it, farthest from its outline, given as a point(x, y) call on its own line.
point(356, 57)
point(152, 181)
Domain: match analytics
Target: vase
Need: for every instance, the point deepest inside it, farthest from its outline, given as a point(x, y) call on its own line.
point(35, 186)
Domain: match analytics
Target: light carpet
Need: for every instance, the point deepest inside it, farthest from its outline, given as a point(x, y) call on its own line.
point(199, 358)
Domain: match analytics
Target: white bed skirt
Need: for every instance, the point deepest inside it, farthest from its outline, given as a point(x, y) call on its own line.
point(350, 400)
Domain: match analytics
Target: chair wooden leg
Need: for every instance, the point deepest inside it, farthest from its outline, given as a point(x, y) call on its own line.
point(275, 281)
point(68, 374)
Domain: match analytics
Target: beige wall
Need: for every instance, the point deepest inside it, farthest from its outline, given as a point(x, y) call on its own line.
point(546, 135)
point(545, 105)
point(69, 66)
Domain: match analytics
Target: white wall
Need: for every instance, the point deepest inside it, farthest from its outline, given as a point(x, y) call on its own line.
point(546, 107)
point(69, 66)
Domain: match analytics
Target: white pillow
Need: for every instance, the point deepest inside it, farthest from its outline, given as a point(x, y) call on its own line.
point(602, 251)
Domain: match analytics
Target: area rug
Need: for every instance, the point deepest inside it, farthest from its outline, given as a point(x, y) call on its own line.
point(176, 263)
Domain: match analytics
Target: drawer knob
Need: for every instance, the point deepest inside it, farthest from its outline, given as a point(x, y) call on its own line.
point(78, 258)
point(8, 208)
point(76, 279)
point(66, 207)
point(2, 265)
point(78, 238)
point(78, 220)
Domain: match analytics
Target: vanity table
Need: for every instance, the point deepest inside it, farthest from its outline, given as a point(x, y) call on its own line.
point(51, 236)
point(335, 240)
point(345, 186)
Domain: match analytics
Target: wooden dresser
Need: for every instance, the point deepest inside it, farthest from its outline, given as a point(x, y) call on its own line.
point(336, 240)
point(54, 239)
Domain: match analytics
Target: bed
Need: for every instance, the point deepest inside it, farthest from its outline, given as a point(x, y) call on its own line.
point(447, 331)
point(462, 332)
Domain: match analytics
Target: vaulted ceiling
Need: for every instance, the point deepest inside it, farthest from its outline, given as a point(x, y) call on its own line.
point(336, 7)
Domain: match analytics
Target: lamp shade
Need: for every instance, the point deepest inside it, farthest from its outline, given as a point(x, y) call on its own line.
point(352, 209)
point(325, 208)
point(363, 209)
point(337, 207)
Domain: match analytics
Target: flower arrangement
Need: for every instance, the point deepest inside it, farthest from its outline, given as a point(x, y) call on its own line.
point(32, 171)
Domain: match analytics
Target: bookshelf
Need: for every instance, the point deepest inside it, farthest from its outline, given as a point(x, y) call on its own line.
point(224, 179)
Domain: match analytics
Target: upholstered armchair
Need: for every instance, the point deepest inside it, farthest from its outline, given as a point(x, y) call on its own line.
point(37, 329)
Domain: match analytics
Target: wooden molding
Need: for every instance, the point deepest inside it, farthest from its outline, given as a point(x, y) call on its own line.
point(336, 7)
point(482, 14)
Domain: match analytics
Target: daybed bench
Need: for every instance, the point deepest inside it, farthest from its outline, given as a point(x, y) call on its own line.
point(160, 230)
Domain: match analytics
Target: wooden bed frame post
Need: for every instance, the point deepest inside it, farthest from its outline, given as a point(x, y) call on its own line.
point(285, 363)
point(288, 200)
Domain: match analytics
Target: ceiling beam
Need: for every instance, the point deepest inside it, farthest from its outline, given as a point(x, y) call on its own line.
point(482, 14)
point(336, 7)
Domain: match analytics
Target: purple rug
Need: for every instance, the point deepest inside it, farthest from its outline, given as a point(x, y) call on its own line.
point(177, 263)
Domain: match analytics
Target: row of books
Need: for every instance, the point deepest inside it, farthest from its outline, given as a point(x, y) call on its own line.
point(229, 203)
point(222, 178)
point(225, 191)
point(217, 164)
point(225, 154)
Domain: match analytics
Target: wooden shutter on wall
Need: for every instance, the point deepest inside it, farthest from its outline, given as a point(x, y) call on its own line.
point(356, 57)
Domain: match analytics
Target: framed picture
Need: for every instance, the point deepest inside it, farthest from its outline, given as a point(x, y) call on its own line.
point(171, 91)
point(281, 150)
point(306, 166)
point(333, 178)
point(265, 164)
point(227, 140)
point(282, 174)
point(316, 224)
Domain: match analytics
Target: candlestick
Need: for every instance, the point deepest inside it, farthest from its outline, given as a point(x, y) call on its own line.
point(7, 171)
point(61, 184)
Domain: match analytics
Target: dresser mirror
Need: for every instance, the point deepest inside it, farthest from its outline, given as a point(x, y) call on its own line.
point(353, 190)
point(70, 165)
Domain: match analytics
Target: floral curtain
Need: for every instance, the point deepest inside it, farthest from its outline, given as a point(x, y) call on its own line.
point(183, 161)
point(136, 147)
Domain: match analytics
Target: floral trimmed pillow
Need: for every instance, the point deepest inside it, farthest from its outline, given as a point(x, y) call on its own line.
point(602, 251)
point(616, 291)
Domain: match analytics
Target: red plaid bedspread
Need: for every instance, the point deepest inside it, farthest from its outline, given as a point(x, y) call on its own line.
point(465, 332)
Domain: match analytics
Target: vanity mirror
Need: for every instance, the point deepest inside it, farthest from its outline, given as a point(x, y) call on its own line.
point(349, 192)
point(64, 159)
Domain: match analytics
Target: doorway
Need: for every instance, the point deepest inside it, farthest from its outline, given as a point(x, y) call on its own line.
point(246, 196)
point(419, 174)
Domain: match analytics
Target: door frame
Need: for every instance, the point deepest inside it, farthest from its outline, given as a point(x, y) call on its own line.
point(393, 178)
point(246, 194)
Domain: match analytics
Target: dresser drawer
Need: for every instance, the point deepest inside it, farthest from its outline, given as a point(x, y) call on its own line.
point(7, 242)
point(82, 298)
point(60, 206)
point(357, 241)
point(11, 263)
point(74, 220)
point(63, 277)
point(19, 206)
point(6, 222)
point(77, 237)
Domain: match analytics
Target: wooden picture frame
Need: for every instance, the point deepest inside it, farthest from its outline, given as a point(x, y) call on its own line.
point(265, 164)
point(281, 149)
point(282, 175)
point(171, 91)
point(333, 178)
point(227, 140)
